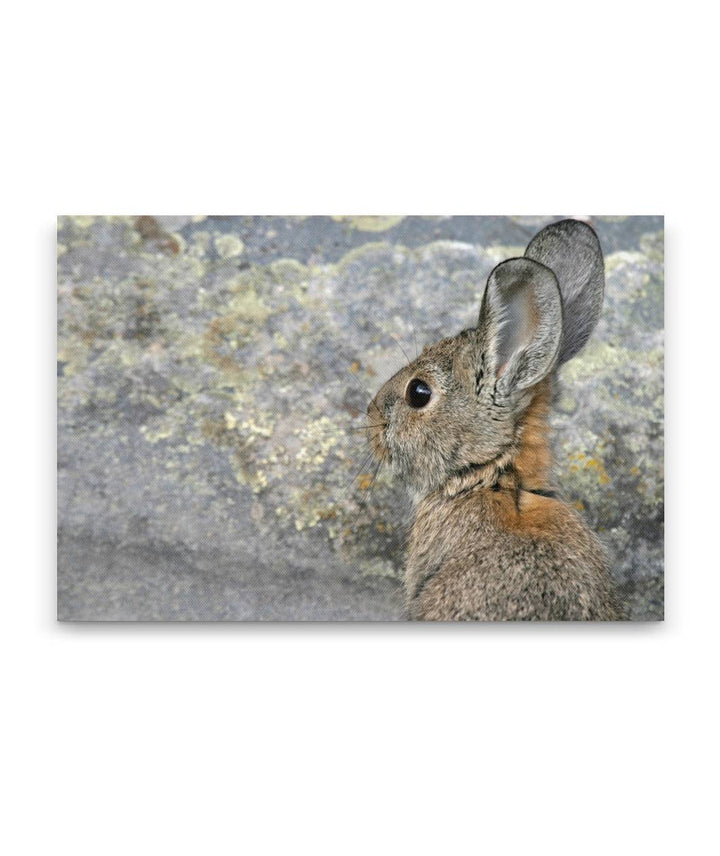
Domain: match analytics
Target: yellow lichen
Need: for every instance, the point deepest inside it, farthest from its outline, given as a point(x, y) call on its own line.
point(582, 462)
point(317, 438)
point(264, 427)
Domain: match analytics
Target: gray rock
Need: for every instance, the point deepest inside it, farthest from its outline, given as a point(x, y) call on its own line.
point(211, 372)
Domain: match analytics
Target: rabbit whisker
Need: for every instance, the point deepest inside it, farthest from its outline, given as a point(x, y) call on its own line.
point(376, 472)
point(397, 342)
point(366, 461)
point(357, 383)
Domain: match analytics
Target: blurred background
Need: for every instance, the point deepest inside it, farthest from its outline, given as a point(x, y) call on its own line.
point(212, 373)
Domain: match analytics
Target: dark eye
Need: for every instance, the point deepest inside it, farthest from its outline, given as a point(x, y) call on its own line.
point(418, 393)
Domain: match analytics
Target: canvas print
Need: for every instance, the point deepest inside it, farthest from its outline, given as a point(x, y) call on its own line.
point(360, 418)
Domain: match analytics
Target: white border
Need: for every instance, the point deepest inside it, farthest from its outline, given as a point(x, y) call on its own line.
point(326, 739)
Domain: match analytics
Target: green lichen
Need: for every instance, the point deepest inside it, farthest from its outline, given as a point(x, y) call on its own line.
point(163, 430)
point(596, 358)
point(246, 306)
point(624, 258)
point(607, 359)
point(653, 246)
point(229, 246)
point(379, 567)
point(369, 224)
point(372, 255)
point(289, 272)
point(504, 251)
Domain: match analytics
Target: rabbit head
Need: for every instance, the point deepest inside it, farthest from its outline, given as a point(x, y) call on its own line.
point(459, 405)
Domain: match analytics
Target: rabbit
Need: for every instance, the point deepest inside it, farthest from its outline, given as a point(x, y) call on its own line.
point(465, 426)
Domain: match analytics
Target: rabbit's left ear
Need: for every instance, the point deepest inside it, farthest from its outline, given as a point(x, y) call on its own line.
point(520, 325)
point(571, 249)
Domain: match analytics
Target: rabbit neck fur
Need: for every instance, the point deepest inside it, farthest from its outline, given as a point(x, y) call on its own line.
point(524, 465)
point(491, 544)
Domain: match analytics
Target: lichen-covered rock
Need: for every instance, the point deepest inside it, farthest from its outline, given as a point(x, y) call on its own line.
point(212, 373)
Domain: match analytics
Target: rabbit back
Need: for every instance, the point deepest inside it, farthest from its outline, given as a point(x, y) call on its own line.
point(523, 557)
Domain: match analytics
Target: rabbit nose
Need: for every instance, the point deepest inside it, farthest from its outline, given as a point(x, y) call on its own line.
point(383, 402)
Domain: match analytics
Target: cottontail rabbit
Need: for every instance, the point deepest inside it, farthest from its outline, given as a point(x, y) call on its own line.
point(465, 427)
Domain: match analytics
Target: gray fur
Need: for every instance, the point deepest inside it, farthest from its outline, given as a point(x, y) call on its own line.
point(521, 323)
point(487, 542)
point(468, 568)
point(572, 250)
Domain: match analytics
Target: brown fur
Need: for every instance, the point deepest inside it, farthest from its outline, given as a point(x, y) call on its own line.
point(490, 541)
point(529, 556)
point(533, 461)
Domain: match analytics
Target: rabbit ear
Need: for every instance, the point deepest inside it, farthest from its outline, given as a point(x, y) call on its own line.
point(572, 251)
point(520, 324)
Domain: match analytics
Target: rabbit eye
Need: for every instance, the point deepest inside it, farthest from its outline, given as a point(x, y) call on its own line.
point(418, 393)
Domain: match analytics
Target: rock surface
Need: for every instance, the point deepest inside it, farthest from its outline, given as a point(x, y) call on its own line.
point(210, 373)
